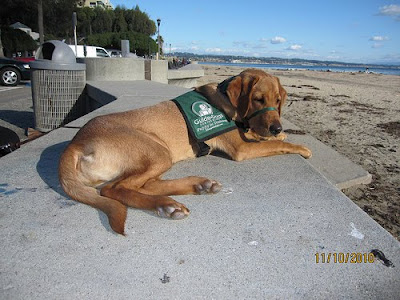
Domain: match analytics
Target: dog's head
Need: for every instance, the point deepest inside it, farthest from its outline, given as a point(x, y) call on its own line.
point(258, 99)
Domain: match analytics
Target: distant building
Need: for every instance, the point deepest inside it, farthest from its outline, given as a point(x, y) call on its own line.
point(26, 29)
point(100, 3)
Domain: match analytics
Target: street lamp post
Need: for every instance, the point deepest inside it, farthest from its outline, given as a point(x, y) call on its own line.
point(74, 23)
point(158, 38)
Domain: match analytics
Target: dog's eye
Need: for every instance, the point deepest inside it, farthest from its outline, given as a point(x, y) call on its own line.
point(278, 101)
point(259, 100)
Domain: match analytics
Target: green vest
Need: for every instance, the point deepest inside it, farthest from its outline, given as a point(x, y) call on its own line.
point(203, 120)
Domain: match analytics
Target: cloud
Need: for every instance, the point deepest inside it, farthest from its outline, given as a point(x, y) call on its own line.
point(241, 44)
point(294, 47)
point(260, 46)
point(378, 38)
point(213, 50)
point(278, 40)
point(391, 10)
point(378, 41)
point(393, 58)
point(377, 45)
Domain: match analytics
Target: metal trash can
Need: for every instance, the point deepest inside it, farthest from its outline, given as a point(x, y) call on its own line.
point(58, 82)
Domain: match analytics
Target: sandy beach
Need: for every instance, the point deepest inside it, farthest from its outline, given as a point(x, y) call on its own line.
point(358, 115)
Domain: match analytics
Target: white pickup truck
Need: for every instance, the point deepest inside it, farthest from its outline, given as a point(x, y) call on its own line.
point(89, 51)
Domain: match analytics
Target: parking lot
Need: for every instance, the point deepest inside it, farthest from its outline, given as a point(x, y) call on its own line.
point(6, 88)
point(16, 111)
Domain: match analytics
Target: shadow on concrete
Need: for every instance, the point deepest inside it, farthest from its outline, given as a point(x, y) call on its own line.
point(47, 169)
point(47, 166)
point(22, 119)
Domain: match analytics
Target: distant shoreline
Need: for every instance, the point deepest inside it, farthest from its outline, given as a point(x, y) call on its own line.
point(337, 69)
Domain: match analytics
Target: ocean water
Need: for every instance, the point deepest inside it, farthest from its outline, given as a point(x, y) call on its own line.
point(379, 70)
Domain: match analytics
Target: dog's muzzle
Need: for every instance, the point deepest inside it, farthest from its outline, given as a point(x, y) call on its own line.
point(275, 128)
point(245, 124)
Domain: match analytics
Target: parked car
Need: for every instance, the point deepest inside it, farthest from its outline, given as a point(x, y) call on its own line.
point(13, 71)
point(89, 51)
point(114, 52)
point(25, 59)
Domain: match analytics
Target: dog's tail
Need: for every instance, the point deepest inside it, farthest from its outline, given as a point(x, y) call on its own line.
point(72, 180)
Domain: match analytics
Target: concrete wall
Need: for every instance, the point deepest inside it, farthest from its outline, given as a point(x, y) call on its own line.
point(186, 76)
point(156, 70)
point(114, 69)
point(96, 98)
point(129, 69)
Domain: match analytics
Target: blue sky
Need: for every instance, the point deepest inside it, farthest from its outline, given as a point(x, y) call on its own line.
point(343, 30)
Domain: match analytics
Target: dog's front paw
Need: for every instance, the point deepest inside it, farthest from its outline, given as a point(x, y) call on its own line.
point(173, 210)
point(280, 137)
point(305, 152)
point(208, 187)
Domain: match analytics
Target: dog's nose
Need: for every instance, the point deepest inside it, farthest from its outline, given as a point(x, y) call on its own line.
point(275, 129)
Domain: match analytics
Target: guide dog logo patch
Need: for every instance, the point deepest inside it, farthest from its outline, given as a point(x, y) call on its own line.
point(203, 120)
point(202, 108)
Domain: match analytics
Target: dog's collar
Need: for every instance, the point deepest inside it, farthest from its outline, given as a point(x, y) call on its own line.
point(244, 125)
point(222, 86)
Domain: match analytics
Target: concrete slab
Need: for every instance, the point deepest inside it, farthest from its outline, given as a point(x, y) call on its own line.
point(257, 239)
point(337, 168)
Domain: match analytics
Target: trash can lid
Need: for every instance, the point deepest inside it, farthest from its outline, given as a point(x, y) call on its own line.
point(56, 55)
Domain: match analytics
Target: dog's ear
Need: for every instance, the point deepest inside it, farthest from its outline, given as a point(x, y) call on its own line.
point(234, 90)
point(239, 92)
point(283, 94)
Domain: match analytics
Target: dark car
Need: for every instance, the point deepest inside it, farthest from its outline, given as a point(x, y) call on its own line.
point(13, 71)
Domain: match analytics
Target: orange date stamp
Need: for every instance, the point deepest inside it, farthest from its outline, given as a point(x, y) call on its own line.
point(344, 258)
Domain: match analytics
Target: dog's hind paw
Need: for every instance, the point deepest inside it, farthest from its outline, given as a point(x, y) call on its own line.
point(174, 211)
point(208, 187)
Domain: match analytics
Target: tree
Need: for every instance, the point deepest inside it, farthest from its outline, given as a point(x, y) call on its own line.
point(107, 28)
point(15, 40)
point(102, 20)
point(57, 21)
point(1, 46)
point(141, 22)
point(57, 15)
point(139, 42)
point(13, 11)
point(120, 24)
point(99, 20)
point(85, 17)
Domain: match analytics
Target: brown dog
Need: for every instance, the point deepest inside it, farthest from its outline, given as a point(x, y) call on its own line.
point(117, 160)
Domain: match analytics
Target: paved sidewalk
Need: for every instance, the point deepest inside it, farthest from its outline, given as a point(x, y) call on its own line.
point(258, 238)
